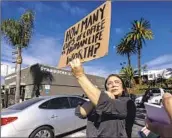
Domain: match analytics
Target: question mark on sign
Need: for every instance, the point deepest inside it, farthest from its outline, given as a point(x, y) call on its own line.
point(96, 48)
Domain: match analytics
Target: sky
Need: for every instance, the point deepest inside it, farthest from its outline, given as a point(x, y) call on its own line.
point(52, 19)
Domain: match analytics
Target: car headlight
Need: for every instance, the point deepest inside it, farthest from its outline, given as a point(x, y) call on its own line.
point(137, 101)
point(156, 101)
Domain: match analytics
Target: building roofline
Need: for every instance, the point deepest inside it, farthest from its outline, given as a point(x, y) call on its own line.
point(50, 67)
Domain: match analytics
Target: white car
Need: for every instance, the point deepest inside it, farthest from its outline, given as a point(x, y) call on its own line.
point(42, 117)
point(152, 95)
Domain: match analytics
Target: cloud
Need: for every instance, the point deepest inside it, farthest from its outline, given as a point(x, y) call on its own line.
point(42, 49)
point(40, 7)
point(99, 71)
point(96, 71)
point(54, 25)
point(7, 68)
point(118, 30)
point(21, 10)
point(37, 6)
point(74, 10)
point(164, 61)
point(6, 50)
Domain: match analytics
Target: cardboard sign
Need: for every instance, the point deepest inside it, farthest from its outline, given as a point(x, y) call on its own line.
point(89, 38)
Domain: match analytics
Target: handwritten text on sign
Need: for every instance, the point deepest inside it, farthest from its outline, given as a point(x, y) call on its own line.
point(89, 38)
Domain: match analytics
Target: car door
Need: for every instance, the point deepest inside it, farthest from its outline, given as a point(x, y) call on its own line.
point(61, 115)
point(74, 102)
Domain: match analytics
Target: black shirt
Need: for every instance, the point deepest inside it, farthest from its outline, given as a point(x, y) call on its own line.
point(109, 117)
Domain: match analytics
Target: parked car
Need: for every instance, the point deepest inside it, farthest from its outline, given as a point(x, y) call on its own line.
point(151, 95)
point(133, 97)
point(46, 116)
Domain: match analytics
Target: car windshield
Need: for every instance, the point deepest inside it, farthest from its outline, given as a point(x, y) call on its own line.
point(25, 104)
point(156, 91)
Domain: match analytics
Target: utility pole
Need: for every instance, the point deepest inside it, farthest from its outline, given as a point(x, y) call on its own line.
point(14, 53)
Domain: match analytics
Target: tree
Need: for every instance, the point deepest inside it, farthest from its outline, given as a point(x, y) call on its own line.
point(126, 48)
point(38, 77)
point(140, 31)
point(144, 68)
point(169, 82)
point(18, 33)
point(127, 74)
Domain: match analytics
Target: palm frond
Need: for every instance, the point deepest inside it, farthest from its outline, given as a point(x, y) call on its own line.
point(11, 30)
point(26, 22)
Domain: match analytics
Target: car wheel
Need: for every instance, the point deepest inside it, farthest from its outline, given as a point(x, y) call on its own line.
point(42, 132)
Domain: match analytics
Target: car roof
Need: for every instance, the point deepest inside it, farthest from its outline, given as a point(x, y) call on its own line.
point(154, 88)
point(56, 96)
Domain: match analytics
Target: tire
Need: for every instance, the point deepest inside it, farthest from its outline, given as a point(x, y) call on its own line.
point(47, 131)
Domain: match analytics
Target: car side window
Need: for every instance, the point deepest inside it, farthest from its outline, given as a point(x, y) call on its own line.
point(59, 103)
point(44, 105)
point(75, 101)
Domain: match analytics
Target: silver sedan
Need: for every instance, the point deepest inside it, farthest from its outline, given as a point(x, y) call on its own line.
point(42, 117)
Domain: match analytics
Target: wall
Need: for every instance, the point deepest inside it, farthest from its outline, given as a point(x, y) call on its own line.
point(52, 81)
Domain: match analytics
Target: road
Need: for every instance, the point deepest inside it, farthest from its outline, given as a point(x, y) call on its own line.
point(139, 123)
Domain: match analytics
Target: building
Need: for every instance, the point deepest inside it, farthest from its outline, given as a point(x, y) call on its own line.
point(156, 74)
point(40, 79)
point(151, 75)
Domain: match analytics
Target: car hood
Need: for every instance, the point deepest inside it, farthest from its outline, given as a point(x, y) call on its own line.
point(139, 98)
point(155, 97)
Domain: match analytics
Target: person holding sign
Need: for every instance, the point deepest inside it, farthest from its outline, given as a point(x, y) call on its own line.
point(110, 113)
point(163, 130)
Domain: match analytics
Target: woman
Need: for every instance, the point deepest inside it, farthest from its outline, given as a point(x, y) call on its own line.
point(110, 113)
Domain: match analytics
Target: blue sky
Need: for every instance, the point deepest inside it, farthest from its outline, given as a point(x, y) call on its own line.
point(53, 18)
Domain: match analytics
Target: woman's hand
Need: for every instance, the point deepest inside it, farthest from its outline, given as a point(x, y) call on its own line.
point(159, 128)
point(110, 95)
point(167, 102)
point(77, 68)
point(163, 130)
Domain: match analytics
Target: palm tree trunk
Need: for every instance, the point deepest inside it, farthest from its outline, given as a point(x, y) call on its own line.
point(18, 76)
point(139, 63)
point(129, 61)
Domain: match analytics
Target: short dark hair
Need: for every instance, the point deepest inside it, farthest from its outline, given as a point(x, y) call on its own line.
point(124, 93)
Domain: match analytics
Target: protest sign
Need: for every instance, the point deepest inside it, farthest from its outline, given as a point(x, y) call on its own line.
point(89, 38)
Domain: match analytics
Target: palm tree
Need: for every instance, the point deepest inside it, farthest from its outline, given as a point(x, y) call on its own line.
point(126, 48)
point(140, 31)
point(18, 33)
